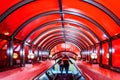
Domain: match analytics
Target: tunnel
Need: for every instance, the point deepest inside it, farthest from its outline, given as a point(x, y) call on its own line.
point(38, 36)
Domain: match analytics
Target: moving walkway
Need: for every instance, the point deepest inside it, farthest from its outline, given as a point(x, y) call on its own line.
point(54, 74)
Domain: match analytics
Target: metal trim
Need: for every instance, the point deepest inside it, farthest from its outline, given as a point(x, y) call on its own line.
point(14, 8)
point(56, 32)
point(66, 39)
point(52, 29)
point(65, 12)
point(104, 9)
point(57, 35)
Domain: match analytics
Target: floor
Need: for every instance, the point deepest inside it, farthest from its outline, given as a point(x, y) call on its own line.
point(104, 73)
point(30, 71)
point(26, 73)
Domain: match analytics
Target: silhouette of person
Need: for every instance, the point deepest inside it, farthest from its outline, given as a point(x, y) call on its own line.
point(61, 65)
point(66, 63)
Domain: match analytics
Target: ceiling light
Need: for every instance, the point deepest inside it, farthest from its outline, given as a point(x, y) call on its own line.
point(6, 33)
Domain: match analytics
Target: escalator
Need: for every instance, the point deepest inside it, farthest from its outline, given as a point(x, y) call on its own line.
point(54, 74)
point(64, 77)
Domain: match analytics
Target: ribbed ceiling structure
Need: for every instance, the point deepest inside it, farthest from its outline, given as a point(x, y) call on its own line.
point(46, 23)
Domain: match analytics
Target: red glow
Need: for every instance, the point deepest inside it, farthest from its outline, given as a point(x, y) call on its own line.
point(104, 54)
point(98, 53)
point(116, 53)
point(61, 47)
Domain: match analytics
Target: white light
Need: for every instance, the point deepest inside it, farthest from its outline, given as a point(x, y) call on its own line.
point(94, 56)
point(29, 40)
point(50, 56)
point(102, 51)
point(107, 55)
point(26, 44)
point(6, 33)
point(31, 56)
point(112, 50)
point(79, 56)
point(73, 9)
point(104, 35)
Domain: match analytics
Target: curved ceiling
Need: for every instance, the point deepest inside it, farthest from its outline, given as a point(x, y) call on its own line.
point(65, 47)
point(81, 22)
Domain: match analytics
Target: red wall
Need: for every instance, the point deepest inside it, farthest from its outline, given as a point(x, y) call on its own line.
point(98, 53)
point(3, 55)
point(116, 53)
point(26, 52)
point(104, 54)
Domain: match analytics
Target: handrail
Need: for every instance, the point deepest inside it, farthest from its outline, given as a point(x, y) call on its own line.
point(87, 77)
point(37, 76)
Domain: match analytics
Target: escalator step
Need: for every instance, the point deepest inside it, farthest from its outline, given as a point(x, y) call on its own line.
point(64, 77)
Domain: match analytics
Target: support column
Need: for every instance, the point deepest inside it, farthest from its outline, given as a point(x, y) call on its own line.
point(30, 49)
point(90, 54)
point(22, 55)
point(41, 55)
point(101, 52)
point(10, 52)
point(95, 48)
point(87, 54)
point(36, 54)
point(110, 52)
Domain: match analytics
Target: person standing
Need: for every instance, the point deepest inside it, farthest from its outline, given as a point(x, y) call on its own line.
point(61, 65)
point(66, 63)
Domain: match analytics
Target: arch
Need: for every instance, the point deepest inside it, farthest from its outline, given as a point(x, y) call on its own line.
point(13, 8)
point(56, 21)
point(65, 12)
point(104, 9)
point(56, 32)
point(56, 43)
point(59, 27)
point(64, 51)
point(71, 39)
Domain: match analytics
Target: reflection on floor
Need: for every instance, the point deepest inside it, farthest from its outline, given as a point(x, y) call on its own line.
point(26, 73)
point(102, 71)
point(29, 72)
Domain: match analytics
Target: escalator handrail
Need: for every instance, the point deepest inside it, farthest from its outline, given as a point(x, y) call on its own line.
point(39, 75)
point(83, 74)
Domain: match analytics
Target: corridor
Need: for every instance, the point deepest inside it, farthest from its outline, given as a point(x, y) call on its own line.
point(36, 34)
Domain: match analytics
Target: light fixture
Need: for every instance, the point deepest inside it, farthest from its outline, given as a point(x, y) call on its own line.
point(6, 33)
point(107, 55)
point(94, 56)
point(15, 55)
point(31, 56)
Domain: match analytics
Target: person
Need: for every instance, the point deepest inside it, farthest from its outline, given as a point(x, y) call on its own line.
point(61, 65)
point(66, 63)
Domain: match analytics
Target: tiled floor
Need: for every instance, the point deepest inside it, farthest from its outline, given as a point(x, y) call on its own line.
point(102, 71)
point(26, 73)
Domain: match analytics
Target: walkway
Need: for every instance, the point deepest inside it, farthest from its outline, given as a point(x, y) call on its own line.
point(98, 72)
